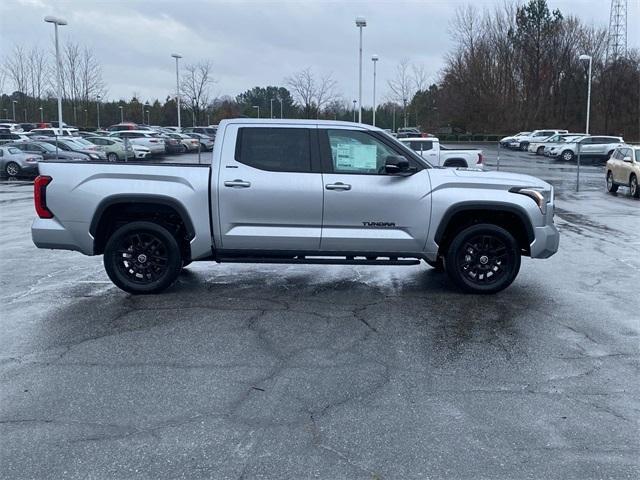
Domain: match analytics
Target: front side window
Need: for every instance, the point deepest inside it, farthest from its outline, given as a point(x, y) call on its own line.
point(353, 151)
point(274, 149)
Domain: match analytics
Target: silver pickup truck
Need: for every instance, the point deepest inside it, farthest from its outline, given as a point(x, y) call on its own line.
point(295, 191)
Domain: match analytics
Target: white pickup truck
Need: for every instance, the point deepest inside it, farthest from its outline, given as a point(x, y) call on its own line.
point(295, 191)
point(430, 149)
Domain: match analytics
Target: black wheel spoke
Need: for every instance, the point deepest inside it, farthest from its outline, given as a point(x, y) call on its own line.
point(142, 257)
point(483, 258)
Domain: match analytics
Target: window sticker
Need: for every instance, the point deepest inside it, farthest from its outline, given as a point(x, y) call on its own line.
point(356, 157)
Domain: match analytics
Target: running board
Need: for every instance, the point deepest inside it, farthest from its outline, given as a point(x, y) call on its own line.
point(317, 261)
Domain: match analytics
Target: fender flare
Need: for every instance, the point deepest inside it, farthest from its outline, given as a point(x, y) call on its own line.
point(492, 206)
point(128, 198)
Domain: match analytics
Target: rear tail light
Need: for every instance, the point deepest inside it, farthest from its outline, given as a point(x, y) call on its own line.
point(479, 162)
point(40, 196)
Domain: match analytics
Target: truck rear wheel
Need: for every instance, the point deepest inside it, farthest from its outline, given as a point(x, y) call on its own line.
point(483, 258)
point(142, 257)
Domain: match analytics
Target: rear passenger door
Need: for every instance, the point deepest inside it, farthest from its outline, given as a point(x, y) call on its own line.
point(270, 188)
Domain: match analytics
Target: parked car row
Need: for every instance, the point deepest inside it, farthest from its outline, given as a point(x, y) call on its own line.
point(122, 142)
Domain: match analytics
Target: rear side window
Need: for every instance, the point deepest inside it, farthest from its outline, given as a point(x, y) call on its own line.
point(421, 146)
point(274, 149)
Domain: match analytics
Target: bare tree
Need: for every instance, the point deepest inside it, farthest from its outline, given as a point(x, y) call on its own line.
point(17, 69)
point(311, 94)
point(196, 87)
point(38, 70)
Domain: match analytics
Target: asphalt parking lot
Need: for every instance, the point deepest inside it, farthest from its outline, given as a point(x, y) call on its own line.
point(333, 372)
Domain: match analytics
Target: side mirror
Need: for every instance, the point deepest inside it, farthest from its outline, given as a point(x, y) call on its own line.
point(396, 165)
point(627, 159)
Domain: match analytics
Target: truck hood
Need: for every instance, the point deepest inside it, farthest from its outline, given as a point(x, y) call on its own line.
point(484, 179)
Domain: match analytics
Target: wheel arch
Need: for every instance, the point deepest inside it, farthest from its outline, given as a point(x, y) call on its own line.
point(511, 217)
point(116, 209)
point(455, 162)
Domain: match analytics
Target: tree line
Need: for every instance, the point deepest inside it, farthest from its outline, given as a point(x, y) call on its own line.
point(518, 68)
point(513, 68)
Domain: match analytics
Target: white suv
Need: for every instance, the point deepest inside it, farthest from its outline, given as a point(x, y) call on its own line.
point(523, 142)
point(595, 146)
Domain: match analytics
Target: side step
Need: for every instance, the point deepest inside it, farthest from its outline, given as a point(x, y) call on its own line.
point(318, 261)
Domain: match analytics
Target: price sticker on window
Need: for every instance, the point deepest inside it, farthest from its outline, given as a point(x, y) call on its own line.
point(356, 157)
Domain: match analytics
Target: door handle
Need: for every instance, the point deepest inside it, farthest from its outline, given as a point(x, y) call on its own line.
point(337, 186)
point(237, 183)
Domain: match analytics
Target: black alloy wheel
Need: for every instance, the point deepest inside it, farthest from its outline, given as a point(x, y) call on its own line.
point(483, 258)
point(142, 257)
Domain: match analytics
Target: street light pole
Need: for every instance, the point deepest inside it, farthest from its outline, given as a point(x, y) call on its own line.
point(13, 104)
point(271, 105)
point(354, 110)
point(587, 58)
point(58, 22)
point(281, 108)
point(41, 115)
point(404, 111)
point(374, 59)
point(177, 56)
point(121, 114)
point(258, 107)
point(360, 23)
point(98, 109)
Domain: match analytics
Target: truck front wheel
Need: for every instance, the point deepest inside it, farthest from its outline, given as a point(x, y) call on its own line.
point(483, 258)
point(142, 257)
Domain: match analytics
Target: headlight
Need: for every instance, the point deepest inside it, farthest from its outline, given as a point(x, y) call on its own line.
point(539, 195)
point(94, 156)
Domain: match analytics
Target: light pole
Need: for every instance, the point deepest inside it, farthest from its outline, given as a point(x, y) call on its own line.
point(145, 106)
point(404, 111)
point(148, 117)
point(271, 109)
point(177, 57)
point(360, 23)
point(58, 22)
point(258, 107)
point(13, 103)
point(354, 110)
point(280, 108)
point(121, 114)
point(374, 59)
point(98, 109)
point(41, 115)
point(194, 104)
point(587, 58)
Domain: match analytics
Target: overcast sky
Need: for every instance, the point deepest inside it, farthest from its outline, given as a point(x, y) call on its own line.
point(256, 42)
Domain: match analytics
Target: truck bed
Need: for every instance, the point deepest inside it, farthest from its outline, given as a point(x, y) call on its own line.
point(80, 189)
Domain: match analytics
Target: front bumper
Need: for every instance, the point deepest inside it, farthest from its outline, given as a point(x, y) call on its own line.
point(546, 238)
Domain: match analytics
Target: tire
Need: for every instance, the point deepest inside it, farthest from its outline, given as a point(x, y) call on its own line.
point(483, 258)
point(633, 186)
point(142, 258)
point(12, 169)
point(611, 186)
point(524, 146)
point(112, 157)
point(567, 156)
point(437, 265)
point(540, 151)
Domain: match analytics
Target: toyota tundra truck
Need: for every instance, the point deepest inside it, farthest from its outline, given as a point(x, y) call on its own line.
point(294, 192)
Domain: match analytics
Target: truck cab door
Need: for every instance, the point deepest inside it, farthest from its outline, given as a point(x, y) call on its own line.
point(269, 188)
point(366, 209)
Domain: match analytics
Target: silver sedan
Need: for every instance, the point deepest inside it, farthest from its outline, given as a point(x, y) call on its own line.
point(14, 162)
